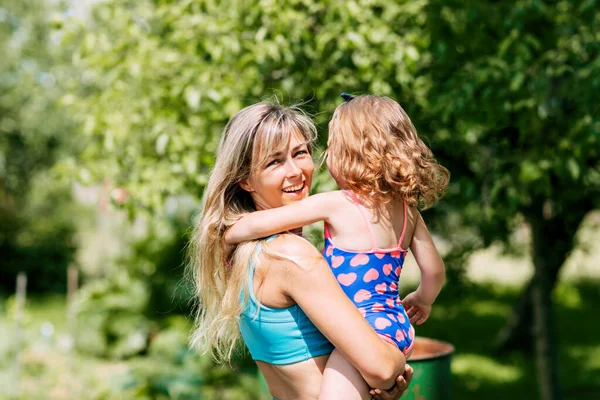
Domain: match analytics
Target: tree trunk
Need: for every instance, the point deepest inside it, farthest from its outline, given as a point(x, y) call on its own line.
point(557, 240)
point(546, 358)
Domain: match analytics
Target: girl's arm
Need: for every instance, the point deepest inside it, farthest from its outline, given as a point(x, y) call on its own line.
point(433, 274)
point(309, 281)
point(268, 222)
point(433, 271)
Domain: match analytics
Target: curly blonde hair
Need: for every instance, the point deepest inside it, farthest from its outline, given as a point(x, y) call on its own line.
point(374, 151)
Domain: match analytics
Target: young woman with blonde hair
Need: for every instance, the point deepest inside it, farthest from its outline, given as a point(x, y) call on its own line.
point(279, 292)
point(386, 173)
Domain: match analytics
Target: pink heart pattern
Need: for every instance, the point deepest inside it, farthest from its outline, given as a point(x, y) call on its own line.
point(336, 261)
point(329, 251)
point(387, 269)
point(362, 295)
point(396, 253)
point(346, 279)
point(400, 335)
point(370, 280)
point(371, 275)
point(382, 323)
point(359, 259)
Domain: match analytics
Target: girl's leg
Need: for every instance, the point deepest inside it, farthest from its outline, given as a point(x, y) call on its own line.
point(342, 381)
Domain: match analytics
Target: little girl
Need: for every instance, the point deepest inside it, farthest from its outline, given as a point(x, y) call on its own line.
point(386, 173)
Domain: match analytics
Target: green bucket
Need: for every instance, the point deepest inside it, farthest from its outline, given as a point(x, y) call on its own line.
point(432, 379)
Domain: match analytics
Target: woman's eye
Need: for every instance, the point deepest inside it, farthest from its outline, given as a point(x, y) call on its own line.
point(301, 152)
point(272, 162)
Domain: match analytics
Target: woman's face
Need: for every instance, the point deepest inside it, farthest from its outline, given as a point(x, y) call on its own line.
point(285, 177)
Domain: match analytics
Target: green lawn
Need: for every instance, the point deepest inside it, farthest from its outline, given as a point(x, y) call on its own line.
point(469, 319)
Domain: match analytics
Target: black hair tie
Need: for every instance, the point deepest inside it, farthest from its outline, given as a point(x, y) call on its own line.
point(347, 97)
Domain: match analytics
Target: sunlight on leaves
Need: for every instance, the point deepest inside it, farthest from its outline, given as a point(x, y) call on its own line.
point(485, 369)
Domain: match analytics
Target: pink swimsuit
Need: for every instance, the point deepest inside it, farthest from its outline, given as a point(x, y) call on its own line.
point(370, 280)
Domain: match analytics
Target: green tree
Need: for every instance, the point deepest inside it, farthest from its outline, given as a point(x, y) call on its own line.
point(514, 113)
point(504, 90)
point(159, 79)
point(36, 227)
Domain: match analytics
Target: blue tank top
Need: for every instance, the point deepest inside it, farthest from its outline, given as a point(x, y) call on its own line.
point(278, 335)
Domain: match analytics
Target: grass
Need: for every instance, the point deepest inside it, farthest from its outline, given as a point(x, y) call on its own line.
point(468, 318)
point(470, 321)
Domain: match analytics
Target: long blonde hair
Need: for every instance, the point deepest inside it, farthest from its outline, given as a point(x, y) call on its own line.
point(250, 137)
point(376, 152)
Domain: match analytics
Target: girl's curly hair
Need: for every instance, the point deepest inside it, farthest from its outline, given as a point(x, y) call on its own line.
point(374, 151)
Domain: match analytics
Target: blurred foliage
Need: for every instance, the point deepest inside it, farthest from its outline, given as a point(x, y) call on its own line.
point(170, 371)
point(173, 371)
point(125, 307)
point(159, 80)
point(158, 259)
point(111, 314)
point(512, 109)
point(36, 211)
point(502, 91)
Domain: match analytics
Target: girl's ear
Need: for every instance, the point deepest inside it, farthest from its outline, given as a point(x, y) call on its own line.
point(246, 185)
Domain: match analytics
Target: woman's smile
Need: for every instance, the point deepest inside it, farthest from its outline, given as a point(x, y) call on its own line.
point(286, 177)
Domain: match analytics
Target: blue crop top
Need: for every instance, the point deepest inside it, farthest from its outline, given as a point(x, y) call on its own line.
point(279, 335)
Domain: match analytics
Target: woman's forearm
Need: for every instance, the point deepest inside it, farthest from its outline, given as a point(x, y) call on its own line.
point(383, 375)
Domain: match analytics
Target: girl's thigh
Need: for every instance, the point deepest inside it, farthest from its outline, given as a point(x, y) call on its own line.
point(342, 381)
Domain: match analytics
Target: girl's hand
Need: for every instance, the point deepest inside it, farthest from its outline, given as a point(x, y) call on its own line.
point(402, 382)
point(417, 310)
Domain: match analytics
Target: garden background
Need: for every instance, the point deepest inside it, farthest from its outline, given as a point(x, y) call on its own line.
point(110, 113)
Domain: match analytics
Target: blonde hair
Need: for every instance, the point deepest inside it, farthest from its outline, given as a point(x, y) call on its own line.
point(250, 137)
point(375, 151)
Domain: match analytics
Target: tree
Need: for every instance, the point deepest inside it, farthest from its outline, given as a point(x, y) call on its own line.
point(515, 115)
point(36, 215)
point(504, 90)
point(160, 79)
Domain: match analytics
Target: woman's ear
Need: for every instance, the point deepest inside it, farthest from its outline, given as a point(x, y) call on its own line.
point(246, 185)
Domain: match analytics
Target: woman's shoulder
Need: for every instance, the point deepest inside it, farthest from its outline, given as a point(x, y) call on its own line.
point(291, 244)
point(289, 250)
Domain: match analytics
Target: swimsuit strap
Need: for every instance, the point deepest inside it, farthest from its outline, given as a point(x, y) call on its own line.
point(403, 227)
point(365, 216)
point(326, 232)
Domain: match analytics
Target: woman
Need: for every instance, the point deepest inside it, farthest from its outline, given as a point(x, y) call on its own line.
point(279, 292)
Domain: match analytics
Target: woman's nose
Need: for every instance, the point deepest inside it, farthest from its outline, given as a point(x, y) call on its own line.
point(292, 169)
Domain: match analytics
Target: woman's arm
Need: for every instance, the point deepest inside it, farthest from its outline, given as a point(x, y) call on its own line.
point(433, 274)
point(309, 281)
point(268, 222)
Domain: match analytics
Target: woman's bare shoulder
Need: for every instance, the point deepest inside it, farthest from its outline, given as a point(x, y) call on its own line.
point(292, 251)
point(292, 245)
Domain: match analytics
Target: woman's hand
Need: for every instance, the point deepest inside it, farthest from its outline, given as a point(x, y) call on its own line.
point(402, 382)
point(416, 308)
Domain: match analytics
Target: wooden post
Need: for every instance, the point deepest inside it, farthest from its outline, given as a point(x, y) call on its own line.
point(19, 311)
point(72, 285)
